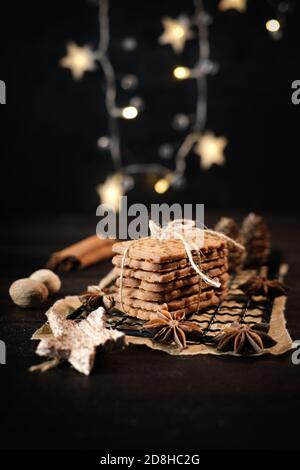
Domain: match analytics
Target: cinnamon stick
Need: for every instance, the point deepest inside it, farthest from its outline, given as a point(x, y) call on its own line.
point(82, 254)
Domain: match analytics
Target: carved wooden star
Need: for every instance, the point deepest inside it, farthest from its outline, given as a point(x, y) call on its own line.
point(79, 60)
point(239, 5)
point(77, 343)
point(210, 150)
point(176, 32)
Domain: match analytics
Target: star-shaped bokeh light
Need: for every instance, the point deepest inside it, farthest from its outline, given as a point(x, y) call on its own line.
point(111, 191)
point(210, 150)
point(79, 59)
point(239, 5)
point(176, 32)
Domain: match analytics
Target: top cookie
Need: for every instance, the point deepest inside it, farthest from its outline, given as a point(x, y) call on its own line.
point(164, 251)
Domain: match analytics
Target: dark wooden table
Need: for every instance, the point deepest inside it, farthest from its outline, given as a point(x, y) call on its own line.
point(138, 398)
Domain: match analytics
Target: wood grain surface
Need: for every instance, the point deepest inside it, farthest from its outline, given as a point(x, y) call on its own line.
point(138, 398)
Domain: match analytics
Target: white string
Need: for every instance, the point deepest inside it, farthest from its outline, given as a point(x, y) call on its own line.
point(201, 82)
point(186, 231)
point(110, 79)
point(121, 278)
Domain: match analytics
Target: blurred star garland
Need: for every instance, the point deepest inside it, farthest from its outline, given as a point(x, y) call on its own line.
point(204, 144)
point(239, 5)
point(210, 150)
point(79, 60)
point(176, 32)
point(276, 24)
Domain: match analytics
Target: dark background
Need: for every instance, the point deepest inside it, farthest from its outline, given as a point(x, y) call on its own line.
point(50, 163)
point(139, 398)
point(50, 160)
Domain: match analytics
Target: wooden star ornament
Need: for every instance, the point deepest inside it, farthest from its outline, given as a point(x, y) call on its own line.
point(176, 32)
point(79, 60)
point(210, 150)
point(75, 342)
point(239, 5)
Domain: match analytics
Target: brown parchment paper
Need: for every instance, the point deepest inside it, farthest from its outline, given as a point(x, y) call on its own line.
point(234, 303)
point(278, 331)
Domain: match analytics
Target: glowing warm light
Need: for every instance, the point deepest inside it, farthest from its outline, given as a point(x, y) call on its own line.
point(129, 44)
point(176, 32)
point(210, 150)
point(239, 5)
point(273, 26)
point(79, 60)
point(161, 186)
point(111, 191)
point(103, 142)
point(130, 112)
point(181, 73)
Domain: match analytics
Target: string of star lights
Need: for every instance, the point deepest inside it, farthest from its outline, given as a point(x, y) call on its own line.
point(208, 147)
point(81, 59)
point(198, 140)
point(239, 5)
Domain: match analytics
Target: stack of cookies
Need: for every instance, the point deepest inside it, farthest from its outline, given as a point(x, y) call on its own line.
point(158, 272)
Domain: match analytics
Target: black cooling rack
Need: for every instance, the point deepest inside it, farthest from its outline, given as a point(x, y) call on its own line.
point(213, 319)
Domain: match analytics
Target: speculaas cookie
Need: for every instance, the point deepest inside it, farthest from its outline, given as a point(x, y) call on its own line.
point(211, 257)
point(162, 251)
point(176, 304)
point(169, 276)
point(159, 286)
point(161, 297)
point(138, 293)
point(147, 314)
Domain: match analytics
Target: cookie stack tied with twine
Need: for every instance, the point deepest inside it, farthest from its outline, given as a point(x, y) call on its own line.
point(180, 267)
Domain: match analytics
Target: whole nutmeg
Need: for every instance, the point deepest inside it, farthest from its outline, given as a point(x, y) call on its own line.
point(49, 278)
point(28, 293)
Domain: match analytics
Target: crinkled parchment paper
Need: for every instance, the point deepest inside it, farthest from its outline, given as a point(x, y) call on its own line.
point(236, 307)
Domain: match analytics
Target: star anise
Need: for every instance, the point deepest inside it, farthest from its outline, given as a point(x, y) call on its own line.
point(92, 300)
point(258, 285)
point(244, 339)
point(172, 327)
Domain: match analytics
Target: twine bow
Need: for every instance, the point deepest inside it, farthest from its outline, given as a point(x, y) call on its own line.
point(192, 238)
